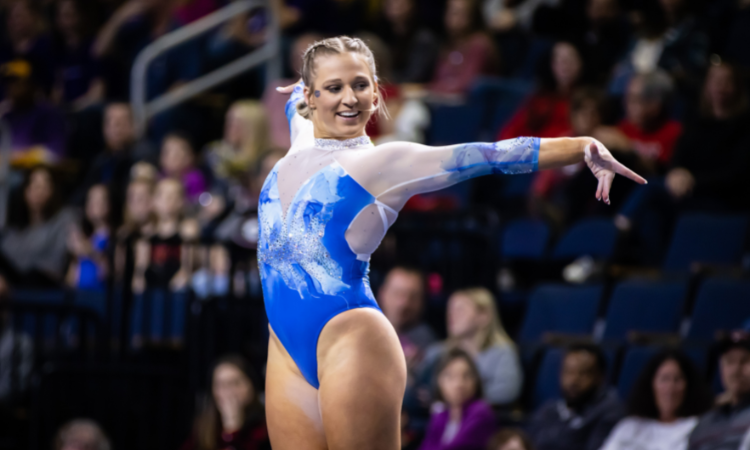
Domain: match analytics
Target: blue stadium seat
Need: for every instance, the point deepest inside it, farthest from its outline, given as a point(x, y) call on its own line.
point(560, 308)
point(721, 304)
point(547, 383)
point(158, 314)
point(644, 306)
point(497, 99)
point(593, 237)
point(524, 239)
point(708, 239)
point(26, 322)
point(454, 124)
point(632, 365)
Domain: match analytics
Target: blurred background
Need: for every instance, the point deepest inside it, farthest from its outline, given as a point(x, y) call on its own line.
point(136, 136)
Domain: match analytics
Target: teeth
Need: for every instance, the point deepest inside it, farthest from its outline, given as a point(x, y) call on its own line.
point(349, 114)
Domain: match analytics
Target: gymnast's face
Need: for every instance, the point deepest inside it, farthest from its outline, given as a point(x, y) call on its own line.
point(341, 96)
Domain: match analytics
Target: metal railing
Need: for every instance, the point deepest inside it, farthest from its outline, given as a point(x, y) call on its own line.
point(5, 153)
point(143, 110)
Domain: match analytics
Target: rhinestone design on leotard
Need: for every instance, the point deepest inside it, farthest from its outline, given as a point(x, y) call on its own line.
point(335, 144)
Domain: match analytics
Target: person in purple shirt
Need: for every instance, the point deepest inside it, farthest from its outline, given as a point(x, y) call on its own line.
point(462, 420)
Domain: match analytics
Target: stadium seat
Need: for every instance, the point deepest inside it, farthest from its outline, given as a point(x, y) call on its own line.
point(707, 239)
point(632, 365)
point(524, 239)
point(158, 314)
point(26, 322)
point(497, 99)
point(547, 382)
point(721, 304)
point(562, 309)
point(593, 237)
point(644, 306)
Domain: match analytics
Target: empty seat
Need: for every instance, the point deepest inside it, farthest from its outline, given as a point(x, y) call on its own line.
point(707, 238)
point(524, 239)
point(721, 304)
point(547, 382)
point(632, 366)
point(593, 237)
point(644, 306)
point(562, 309)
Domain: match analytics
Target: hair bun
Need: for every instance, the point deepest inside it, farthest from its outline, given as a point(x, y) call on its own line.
point(303, 109)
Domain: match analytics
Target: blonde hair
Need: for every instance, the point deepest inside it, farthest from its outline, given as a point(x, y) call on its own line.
point(336, 46)
point(255, 137)
point(494, 333)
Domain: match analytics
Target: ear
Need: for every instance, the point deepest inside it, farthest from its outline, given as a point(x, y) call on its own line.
point(309, 97)
point(375, 92)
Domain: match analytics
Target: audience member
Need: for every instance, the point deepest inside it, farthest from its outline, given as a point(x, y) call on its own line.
point(245, 138)
point(462, 420)
point(78, 81)
point(665, 403)
point(546, 112)
point(25, 38)
point(467, 51)
point(724, 427)
point(647, 131)
point(38, 129)
point(33, 249)
point(232, 416)
point(588, 411)
point(605, 40)
point(136, 219)
point(89, 243)
point(81, 434)
point(510, 439)
point(177, 161)
point(401, 297)
point(474, 326)
point(413, 47)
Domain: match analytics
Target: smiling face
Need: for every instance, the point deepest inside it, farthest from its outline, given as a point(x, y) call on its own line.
point(342, 96)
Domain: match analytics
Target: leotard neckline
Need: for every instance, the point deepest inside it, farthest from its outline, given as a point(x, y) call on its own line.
point(335, 144)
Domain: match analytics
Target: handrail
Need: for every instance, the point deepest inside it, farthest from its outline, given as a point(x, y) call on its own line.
point(143, 110)
point(5, 153)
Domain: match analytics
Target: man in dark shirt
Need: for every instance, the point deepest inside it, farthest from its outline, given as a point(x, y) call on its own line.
point(588, 411)
point(725, 427)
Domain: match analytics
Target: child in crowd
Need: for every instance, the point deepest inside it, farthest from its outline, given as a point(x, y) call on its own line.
point(462, 420)
point(178, 161)
point(136, 217)
point(89, 243)
point(510, 439)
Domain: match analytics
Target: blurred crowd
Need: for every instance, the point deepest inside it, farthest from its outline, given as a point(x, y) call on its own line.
point(93, 204)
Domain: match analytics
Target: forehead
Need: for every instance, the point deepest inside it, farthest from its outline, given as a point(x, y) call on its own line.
point(343, 65)
point(580, 358)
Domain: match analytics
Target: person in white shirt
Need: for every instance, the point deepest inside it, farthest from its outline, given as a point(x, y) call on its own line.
point(664, 404)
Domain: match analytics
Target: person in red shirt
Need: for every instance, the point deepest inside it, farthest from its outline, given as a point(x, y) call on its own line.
point(647, 131)
point(233, 416)
point(547, 112)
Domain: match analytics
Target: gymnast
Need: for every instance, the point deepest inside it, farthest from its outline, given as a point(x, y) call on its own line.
point(336, 372)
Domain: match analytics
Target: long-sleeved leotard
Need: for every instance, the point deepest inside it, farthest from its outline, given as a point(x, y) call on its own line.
point(326, 206)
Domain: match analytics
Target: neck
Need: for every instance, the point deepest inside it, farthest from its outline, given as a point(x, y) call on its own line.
point(233, 424)
point(36, 217)
point(322, 134)
point(721, 111)
point(667, 417)
point(456, 412)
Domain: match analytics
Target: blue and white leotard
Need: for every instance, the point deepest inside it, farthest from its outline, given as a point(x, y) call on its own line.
point(326, 206)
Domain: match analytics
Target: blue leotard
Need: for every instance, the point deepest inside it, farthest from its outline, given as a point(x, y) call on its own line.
point(309, 271)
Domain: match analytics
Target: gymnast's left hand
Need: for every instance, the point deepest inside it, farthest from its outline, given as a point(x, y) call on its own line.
point(604, 167)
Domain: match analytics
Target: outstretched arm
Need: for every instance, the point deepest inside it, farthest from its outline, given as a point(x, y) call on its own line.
point(396, 171)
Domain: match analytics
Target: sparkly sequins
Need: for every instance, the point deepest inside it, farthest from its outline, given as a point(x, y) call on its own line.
point(334, 144)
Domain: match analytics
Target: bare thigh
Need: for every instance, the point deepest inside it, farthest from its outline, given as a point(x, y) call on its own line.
point(362, 373)
point(292, 408)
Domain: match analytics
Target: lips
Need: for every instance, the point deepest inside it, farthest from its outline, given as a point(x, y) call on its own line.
point(349, 114)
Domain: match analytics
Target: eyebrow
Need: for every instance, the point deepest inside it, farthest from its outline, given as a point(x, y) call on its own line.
point(338, 80)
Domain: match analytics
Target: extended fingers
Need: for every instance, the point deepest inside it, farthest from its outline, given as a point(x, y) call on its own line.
point(286, 89)
point(624, 171)
point(606, 182)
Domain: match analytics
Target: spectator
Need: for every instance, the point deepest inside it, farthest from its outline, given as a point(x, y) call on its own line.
point(25, 38)
point(245, 138)
point(38, 129)
point(547, 112)
point(462, 420)
point(81, 434)
point(16, 356)
point(664, 406)
point(121, 149)
point(510, 439)
point(474, 326)
point(90, 243)
point(647, 131)
point(402, 299)
point(725, 425)
point(467, 52)
point(413, 47)
point(588, 411)
point(177, 161)
point(698, 179)
point(605, 40)
point(78, 81)
point(33, 249)
point(232, 416)
point(136, 218)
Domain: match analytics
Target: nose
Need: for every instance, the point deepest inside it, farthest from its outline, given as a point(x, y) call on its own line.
point(349, 99)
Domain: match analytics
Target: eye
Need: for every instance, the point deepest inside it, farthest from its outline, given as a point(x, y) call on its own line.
point(362, 86)
point(333, 89)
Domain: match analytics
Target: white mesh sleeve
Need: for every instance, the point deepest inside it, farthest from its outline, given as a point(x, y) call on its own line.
point(300, 129)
